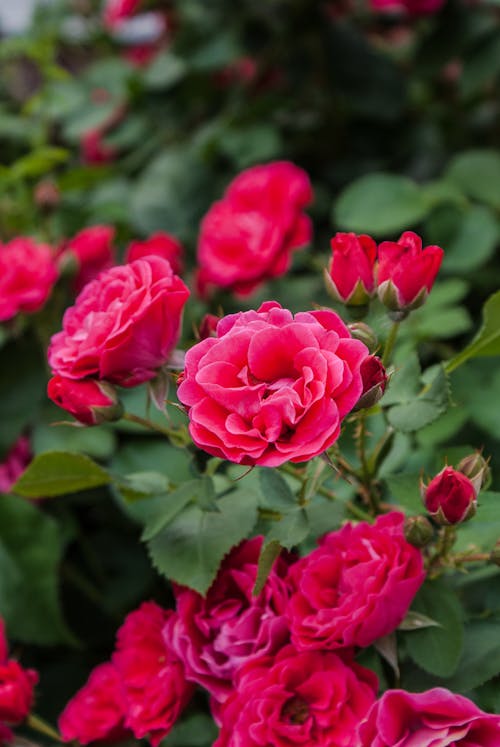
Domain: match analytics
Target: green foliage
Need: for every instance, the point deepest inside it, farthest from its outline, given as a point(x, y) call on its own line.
point(487, 340)
point(57, 473)
point(477, 173)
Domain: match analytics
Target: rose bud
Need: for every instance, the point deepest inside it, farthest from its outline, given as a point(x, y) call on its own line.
point(361, 331)
point(350, 275)
point(418, 531)
point(406, 272)
point(450, 497)
point(90, 401)
point(208, 326)
point(374, 377)
point(47, 195)
point(476, 468)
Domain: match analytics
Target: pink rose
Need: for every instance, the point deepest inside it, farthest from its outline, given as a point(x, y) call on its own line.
point(153, 678)
point(350, 276)
point(216, 634)
point(436, 717)
point(28, 273)
point(97, 711)
point(355, 587)
point(310, 698)
point(123, 326)
point(16, 461)
point(94, 150)
point(248, 236)
point(116, 11)
point(16, 686)
point(410, 7)
point(90, 401)
point(450, 497)
point(406, 272)
point(161, 244)
point(6, 735)
point(93, 250)
point(272, 387)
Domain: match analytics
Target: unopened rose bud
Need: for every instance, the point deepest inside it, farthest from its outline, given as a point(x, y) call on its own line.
point(364, 333)
point(450, 497)
point(90, 401)
point(350, 274)
point(476, 468)
point(208, 326)
point(406, 272)
point(374, 377)
point(418, 530)
point(47, 195)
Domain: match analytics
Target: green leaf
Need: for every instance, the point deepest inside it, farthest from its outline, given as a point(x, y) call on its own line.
point(169, 508)
point(249, 145)
point(404, 489)
point(37, 163)
point(437, 650)
point(404, 382)
point(380, 204)
point(487, 340)
point(483, 530)
point(275, 490)
point(31, 545)
point(190, 549)
point(164, 72)
point(269, 553)
point(481, 656)
point(98, 442)
point(477, 173)
point(291, 529)
point(478, 229)
point(59, 472)
point(423, 409)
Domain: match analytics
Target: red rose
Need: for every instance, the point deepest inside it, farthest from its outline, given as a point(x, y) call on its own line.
point(410, 7)
point(153, 678)
point(310, 698)
point(161, 244)
point(248, 236)
point(123, 326)
point(16, 687)
point(350, 276)
point(436, 717)
point(6, 735)
point(450, 497)
point(93, 250)
point(97, 711)
point(116, 11)
point(406, 272)
point(94, 150)
point(27, 274)
point(272, 387)
point(375, 379)
point(16, 461)
point(216, 634)
point(355, 587)
point(90, 401)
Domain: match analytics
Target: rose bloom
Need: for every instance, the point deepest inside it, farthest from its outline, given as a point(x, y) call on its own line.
point(16, 461)
point(161, 244)
point(16, 685)
point(355, 587)
point(249, 235)
point(436, 718)
point(93, 251)
point(116, 11)
point(450, 497)
point(97, 711)
point(216, 634)
point(310, 698)
point(94, 150)
point(123, 326)
point(410, 7)
point(90, 401)
point(406, 272)
point(272, 387)
point(28, 273)
point(350, 276)
point(156, 690)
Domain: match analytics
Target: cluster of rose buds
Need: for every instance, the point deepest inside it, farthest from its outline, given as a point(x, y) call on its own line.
point(400, 272)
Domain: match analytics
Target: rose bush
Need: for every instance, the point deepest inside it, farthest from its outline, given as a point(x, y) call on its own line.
point(272, 387)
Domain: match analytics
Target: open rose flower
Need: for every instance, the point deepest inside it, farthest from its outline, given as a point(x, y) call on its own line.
point(163, 245)
point(408, 7)
point(311, 698)
point(355, 587)
point(123, 326)
point(117, 11)
point(216, 634)
point(272, 387)
point(249, 235)
point(16, 686)
point(436, 717)
point(28, 273)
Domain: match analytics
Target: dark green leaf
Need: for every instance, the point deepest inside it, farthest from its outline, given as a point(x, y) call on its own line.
point(59, 472)
point(275, 490)
point(268, 554)
point(487, 340)
point(291, 529)
point(424, 409)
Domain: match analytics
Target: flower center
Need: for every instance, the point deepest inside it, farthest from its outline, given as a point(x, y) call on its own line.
point(295, 710)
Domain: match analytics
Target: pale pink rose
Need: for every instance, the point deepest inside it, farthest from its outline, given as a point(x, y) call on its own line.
point(28, 273)
point(437, 718)
point(303, 699)
point(272, 387)
point(249, 235)
point(355, 587)
point(216, 634)
point(123, 326)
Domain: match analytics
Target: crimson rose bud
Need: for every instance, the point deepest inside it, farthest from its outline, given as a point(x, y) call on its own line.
point(208, 326)
point(374, 377)
point(406, 272)
point(450, 497)
point(90, 401)
point(350, 275)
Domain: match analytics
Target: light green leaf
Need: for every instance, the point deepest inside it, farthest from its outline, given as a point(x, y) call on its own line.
point(487, 340)
point(477, 173)
point(59, 472)
point(474, 242)
point(275, 490)
point(291, 529)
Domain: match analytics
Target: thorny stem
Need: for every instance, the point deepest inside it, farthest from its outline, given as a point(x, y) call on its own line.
point(389, 343)
point(38, 724)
